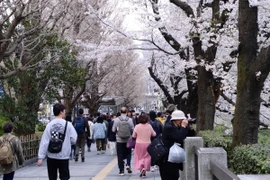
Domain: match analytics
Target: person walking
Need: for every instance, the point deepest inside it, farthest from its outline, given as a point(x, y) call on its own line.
point(123, 127)
point(73, 146)
point(142, 133)
point(112, 136)
point(58, 128)
point(81, 125)
point(89, 141)
point(160, 117)
point(175, 131)
point(158, 128)
point(8, 170)
point(99, 130)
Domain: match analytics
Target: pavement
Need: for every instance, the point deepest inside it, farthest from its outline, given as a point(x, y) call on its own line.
point(95, 167)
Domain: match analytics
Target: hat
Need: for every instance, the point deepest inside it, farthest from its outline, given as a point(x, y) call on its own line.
point(170, 108)
point(177, 115)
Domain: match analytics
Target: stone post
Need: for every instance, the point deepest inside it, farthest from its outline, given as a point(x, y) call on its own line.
point(205, 155)
point(188, 172)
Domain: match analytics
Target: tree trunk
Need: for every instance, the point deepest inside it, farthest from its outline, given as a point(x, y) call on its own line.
point(246, 118)
point(206, 110)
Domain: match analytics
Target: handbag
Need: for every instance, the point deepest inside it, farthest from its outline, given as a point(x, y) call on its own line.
point(158, 151)
point(55, 144)
point(131, 143)
point(176, 154)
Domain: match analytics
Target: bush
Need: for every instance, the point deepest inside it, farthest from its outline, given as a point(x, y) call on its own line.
point(263, 136)
point(3, 120)
point(251, 159)
point(246, 159)
point(216, 138)
point(41, 127)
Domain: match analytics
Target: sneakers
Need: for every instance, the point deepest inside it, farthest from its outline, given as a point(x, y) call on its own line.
point(121, 173)
point(82, 159)
point(152, 168)
point(143, 173)
point(76, 159)
point(128, 169)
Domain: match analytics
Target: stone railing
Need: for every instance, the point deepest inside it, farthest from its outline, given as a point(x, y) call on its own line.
point(205, 163)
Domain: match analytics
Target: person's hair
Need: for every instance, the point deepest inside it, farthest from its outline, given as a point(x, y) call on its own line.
point(159, 114)
point(80, 111)
point(123, 110)
point(118, 114)
point(97, 114)
point(100, 119)
point(57, 108)
point(8, 127)
point(143, 118)
point(68, 117)
point(170, 108)
point(152, 115)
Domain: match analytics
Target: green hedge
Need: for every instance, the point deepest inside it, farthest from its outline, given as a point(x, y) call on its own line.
point(216, 138)
point(251, 159)
point(41, 127)
point(3, 120)
point(248, 159)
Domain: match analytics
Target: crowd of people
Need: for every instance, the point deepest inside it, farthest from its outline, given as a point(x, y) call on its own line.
point(113, 132)
point(65, 139)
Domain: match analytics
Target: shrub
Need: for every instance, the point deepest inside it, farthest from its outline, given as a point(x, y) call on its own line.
point(251, 159)
point(246, 159)
point(216, 138)
point(41, 127)
point(263, 136)
point(3, 120)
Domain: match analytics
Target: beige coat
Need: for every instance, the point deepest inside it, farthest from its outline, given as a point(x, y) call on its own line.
point(18, 155)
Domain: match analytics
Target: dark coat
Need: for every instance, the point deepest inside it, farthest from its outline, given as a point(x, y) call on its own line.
point(172, 134)
point(111, 135)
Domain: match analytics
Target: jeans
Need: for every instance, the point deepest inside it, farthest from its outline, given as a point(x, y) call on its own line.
point(89, 142)
point(8, 176)
point(123, 153)
point(73, 151)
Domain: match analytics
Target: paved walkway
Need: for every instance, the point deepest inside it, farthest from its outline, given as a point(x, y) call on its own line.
point(95, 167)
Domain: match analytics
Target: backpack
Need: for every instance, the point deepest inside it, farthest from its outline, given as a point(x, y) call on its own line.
point(6, 153)
point(123, 128)
point(155, 126)
point(79, 124)
point(158, 151)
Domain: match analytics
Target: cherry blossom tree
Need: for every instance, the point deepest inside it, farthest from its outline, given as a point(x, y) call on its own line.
point(253, 69)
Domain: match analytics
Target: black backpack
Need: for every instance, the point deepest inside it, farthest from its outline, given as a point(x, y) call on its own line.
point(158, 151)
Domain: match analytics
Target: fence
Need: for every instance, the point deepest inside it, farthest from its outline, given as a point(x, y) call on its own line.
point(205, 163)
point(30, 145)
